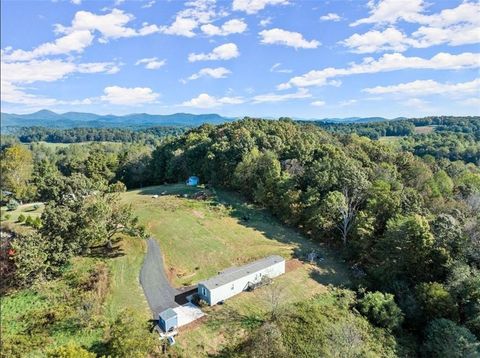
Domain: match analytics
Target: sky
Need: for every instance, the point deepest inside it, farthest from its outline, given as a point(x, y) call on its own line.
point(258, 58)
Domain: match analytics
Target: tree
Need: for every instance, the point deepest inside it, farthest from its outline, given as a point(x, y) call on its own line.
point(444, 339)
point(70, 350)
point(129, 337)
point(267, 342)
point(16, 166)
point(436, 301)
point(405, 251)
point(84, 214)
point(21, 218)
point(30, 257)
point(381, 309)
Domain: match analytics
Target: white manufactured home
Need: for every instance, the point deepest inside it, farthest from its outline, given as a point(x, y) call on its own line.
point(234, 280)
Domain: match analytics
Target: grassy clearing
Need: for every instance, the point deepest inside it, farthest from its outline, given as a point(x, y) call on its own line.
point(424, 129)
point(200, 238)
point(32, 209)
point(125, 290)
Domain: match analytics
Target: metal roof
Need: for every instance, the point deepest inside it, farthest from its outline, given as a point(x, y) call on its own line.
point(167, 314)
point(232, 274)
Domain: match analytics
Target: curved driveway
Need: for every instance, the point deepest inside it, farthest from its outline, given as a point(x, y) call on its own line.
point(160, 295)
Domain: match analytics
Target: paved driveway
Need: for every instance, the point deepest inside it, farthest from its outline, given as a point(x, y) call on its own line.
point(160, 295)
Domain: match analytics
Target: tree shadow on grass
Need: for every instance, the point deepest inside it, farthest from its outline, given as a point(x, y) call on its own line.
point(107, 251)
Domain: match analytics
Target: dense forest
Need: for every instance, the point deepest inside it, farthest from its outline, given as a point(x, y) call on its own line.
point(77, 135)
point(405, 217)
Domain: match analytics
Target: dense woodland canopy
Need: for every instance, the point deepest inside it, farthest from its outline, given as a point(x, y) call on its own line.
point(405, 216)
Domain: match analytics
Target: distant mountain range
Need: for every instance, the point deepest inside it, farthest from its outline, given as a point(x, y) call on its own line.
point(46, 118)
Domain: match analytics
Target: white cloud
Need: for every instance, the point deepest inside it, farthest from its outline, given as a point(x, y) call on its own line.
point(274, 97)
point(265, 22)
point(454, 27)
point(222, 52)
point(287, 38)
point(76, 41)
point(330, 17)
point(50, 70)
point(219, 72)
point(426, 36)
point(76, 2)
point(149, 4)
point(318, 103)
point(390, 11)
point(15, 75)
point(234, 26)
point(386, 63)
point(254, 6)
point(204, 100)
point(182, 27)
point(129, 96)
point(111, 25)
point(276, 68)
point(390, 39)
point(152, 63)
point(196, 13)
point(428, 87)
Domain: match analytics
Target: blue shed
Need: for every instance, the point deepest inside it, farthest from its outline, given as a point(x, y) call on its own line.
point(192, 181)
point(168, 320)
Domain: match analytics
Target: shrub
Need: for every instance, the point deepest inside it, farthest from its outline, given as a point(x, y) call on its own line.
point(12, 205)
point(29, 221)
point(21, 218)
point(37, 223)
point(7, 217)
point(444, 339)
point(381, 309)
point(70, 350)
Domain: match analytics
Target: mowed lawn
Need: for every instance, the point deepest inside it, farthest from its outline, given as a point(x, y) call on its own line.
point(199, 238)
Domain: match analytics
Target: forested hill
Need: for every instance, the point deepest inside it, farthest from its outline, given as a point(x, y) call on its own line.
point(49, 119)
point(410, 226)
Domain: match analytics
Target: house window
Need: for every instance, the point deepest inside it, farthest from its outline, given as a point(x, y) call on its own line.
point(204, 290)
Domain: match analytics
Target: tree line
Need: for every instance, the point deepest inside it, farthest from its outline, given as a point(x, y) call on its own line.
point(77, 135)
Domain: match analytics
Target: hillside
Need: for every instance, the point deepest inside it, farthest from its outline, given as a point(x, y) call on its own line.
point(45, 118)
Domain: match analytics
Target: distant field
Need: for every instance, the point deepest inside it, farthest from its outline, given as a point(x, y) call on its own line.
point(64, 145)
point(200, 238)
point(32, 209)
point(424, 129)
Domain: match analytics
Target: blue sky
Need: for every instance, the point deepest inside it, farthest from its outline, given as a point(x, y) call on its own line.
point(304, 59)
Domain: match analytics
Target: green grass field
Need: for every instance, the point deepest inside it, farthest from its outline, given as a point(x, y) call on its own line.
point(199, 238)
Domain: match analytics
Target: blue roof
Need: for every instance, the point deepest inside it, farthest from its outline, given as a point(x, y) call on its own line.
point(167, 314)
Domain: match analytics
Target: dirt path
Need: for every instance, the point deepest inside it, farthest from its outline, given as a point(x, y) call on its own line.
point(160, 295)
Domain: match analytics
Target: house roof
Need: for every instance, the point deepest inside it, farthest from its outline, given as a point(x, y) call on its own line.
point(167, 314)
point(232, 274)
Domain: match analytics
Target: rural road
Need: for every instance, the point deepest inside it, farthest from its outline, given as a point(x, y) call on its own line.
point(160, 295)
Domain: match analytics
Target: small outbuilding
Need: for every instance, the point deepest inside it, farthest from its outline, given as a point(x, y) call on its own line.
point(168, 320)
point(234, 280)
point(192, 181)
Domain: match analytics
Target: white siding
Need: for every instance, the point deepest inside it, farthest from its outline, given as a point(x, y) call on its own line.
point(231, 289)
